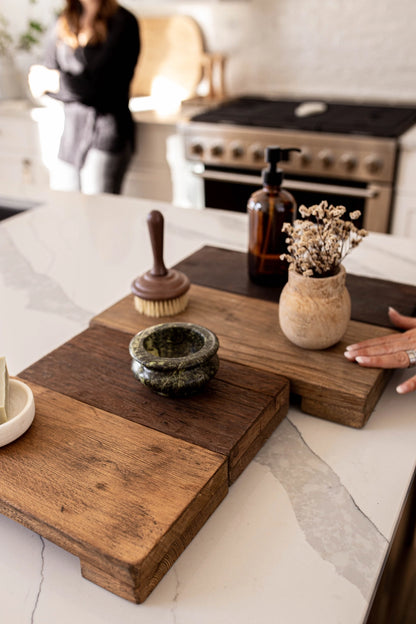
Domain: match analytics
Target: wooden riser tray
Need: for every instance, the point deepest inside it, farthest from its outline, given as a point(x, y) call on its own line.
point(122, 477)
point(329, 386)
point(123, 498)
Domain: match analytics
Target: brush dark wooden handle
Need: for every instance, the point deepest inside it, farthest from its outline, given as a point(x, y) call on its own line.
point(160, 283)
point(155, 223)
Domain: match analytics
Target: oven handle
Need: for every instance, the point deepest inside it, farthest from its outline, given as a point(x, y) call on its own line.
point(370, 192)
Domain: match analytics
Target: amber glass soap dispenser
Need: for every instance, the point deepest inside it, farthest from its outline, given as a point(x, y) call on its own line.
point(268, 208)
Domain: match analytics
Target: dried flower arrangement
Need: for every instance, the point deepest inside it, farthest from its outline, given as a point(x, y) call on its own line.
point(318, 243)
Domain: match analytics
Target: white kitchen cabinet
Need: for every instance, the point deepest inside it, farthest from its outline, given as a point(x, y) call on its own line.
point(22, 171)
point(404, 218)
point(29, 139)
point(149, 174)
point(25, 154)
point(404, 209)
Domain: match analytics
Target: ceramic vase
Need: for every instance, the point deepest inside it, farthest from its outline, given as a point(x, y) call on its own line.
point(314, 311)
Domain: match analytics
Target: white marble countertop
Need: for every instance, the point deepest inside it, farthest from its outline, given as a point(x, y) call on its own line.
point(302, 534)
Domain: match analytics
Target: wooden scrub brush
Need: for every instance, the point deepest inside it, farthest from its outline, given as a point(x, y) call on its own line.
point(160, 291)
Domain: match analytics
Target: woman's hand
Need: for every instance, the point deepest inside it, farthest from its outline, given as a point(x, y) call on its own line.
point(389, 351)
point(42, 80)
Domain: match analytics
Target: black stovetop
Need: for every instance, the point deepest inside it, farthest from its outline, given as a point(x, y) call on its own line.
point(342, 118)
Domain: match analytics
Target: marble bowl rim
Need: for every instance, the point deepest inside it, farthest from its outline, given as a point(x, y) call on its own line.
point(162, 363)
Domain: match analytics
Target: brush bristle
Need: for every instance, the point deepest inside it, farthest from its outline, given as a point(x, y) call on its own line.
point(168, 307)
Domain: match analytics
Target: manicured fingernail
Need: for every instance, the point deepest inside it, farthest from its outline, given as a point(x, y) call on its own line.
point(391, 309)
point(360, 359)
point(349, 355)
point(401, 389)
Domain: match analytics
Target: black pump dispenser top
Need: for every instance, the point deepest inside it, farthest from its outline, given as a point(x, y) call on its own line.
point(273, 176)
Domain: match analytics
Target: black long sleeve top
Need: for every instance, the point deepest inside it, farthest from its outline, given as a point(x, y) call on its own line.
point(94, 87)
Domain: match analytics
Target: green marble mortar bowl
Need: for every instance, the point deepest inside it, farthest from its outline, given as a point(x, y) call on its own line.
point(174, 359)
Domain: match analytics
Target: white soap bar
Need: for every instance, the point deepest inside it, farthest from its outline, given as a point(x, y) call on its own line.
point(4, 390)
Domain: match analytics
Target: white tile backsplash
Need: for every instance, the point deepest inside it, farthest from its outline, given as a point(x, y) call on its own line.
point(355, 49)
point(327, 48)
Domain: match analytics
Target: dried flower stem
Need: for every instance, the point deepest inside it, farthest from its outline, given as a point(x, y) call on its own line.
point(318, 243)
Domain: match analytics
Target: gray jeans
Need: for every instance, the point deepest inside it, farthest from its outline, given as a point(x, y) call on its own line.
point(103, 172)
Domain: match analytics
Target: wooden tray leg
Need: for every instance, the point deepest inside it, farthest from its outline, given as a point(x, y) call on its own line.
point(352, 417)
point(125, 587)
point(346, 411)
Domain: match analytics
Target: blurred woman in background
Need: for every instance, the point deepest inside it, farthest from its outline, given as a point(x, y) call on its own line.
point(91, 55)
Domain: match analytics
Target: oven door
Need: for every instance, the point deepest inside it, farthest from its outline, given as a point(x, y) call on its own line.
point(230, 189)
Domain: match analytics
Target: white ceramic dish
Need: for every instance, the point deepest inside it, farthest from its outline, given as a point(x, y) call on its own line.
point(22, 412)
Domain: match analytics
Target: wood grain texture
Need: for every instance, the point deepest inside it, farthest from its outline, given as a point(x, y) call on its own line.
point(329, 386)
point(233, 415)
point(123, 498)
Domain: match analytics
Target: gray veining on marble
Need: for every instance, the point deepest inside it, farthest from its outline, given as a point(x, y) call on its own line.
point(327, 514)
point(176, 596)
point(44, 294)
point(41, 579)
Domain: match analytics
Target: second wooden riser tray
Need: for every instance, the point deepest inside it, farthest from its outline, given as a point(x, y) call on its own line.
point(329, 386)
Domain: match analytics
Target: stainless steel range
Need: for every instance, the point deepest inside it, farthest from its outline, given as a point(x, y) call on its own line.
point(348, 152)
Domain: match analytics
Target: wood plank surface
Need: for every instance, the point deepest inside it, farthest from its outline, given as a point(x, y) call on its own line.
point(225, 269)
point(329, 386)
point(124, 498)
point(233, 415)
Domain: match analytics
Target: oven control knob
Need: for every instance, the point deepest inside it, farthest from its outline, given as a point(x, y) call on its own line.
point(326, 157)
point(217, 150)
point(197, 149)
point(237, 150)
point(349, 161)
point(305, 157)
point(373, 163)
point(257, 153)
